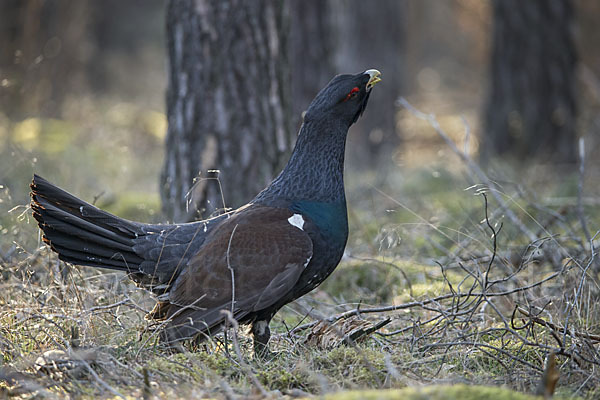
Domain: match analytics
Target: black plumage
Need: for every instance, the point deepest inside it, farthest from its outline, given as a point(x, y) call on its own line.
point(251, 261)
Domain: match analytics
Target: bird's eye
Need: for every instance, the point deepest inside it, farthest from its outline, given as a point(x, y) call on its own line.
point(352, 94)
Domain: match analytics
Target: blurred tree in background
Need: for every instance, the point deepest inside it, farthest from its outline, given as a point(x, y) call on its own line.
point(228, 103)
point(56, 49)
point(39, 45)
point(531, 109)
point(93, 73)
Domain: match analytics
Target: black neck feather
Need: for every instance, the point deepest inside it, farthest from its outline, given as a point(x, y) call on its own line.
point(315, 171)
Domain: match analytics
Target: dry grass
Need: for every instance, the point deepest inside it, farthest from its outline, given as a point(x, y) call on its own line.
point(477, 289)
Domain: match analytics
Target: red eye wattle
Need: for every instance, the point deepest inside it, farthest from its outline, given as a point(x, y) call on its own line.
point(352, 93)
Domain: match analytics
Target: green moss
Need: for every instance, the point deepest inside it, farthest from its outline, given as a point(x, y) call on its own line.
point(357, 365)
point(277, 377)
point(174, 365)
point(193, 365)
point(429, 289)
point(459, 392)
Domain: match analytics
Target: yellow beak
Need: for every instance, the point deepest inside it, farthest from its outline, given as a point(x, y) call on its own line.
point(375, 77)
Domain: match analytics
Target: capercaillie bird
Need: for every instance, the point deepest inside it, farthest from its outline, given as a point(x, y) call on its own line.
point(250, 261)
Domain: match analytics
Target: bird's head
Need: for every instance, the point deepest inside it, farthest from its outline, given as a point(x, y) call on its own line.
point(345, 97)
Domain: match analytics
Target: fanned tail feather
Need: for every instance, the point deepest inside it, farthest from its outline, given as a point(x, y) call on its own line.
point(81, 233)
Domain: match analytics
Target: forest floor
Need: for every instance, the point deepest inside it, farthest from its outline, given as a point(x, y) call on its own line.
point(451, 276)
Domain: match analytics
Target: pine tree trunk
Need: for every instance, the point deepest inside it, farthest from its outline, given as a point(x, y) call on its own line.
point(531, 109)
point(228, 103)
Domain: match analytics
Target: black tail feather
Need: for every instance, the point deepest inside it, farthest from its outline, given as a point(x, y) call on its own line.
point(81, 233)
point(70, 227)
point(79, 258)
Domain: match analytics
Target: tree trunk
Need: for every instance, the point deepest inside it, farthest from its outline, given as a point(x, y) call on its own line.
point(228, 103)
point(531, 109)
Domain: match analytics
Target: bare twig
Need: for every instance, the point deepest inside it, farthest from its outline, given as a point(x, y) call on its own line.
point(230, 267)
point(580, 210)
point(422, 303)
point(554, 327)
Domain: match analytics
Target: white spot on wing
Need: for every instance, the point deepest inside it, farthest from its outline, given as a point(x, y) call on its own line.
point(81, 210)
point(297, 221)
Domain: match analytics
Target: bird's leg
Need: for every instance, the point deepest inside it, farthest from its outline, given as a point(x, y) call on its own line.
point(261, 333)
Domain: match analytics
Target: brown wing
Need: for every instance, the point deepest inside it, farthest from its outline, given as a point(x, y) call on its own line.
point(251, 260)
